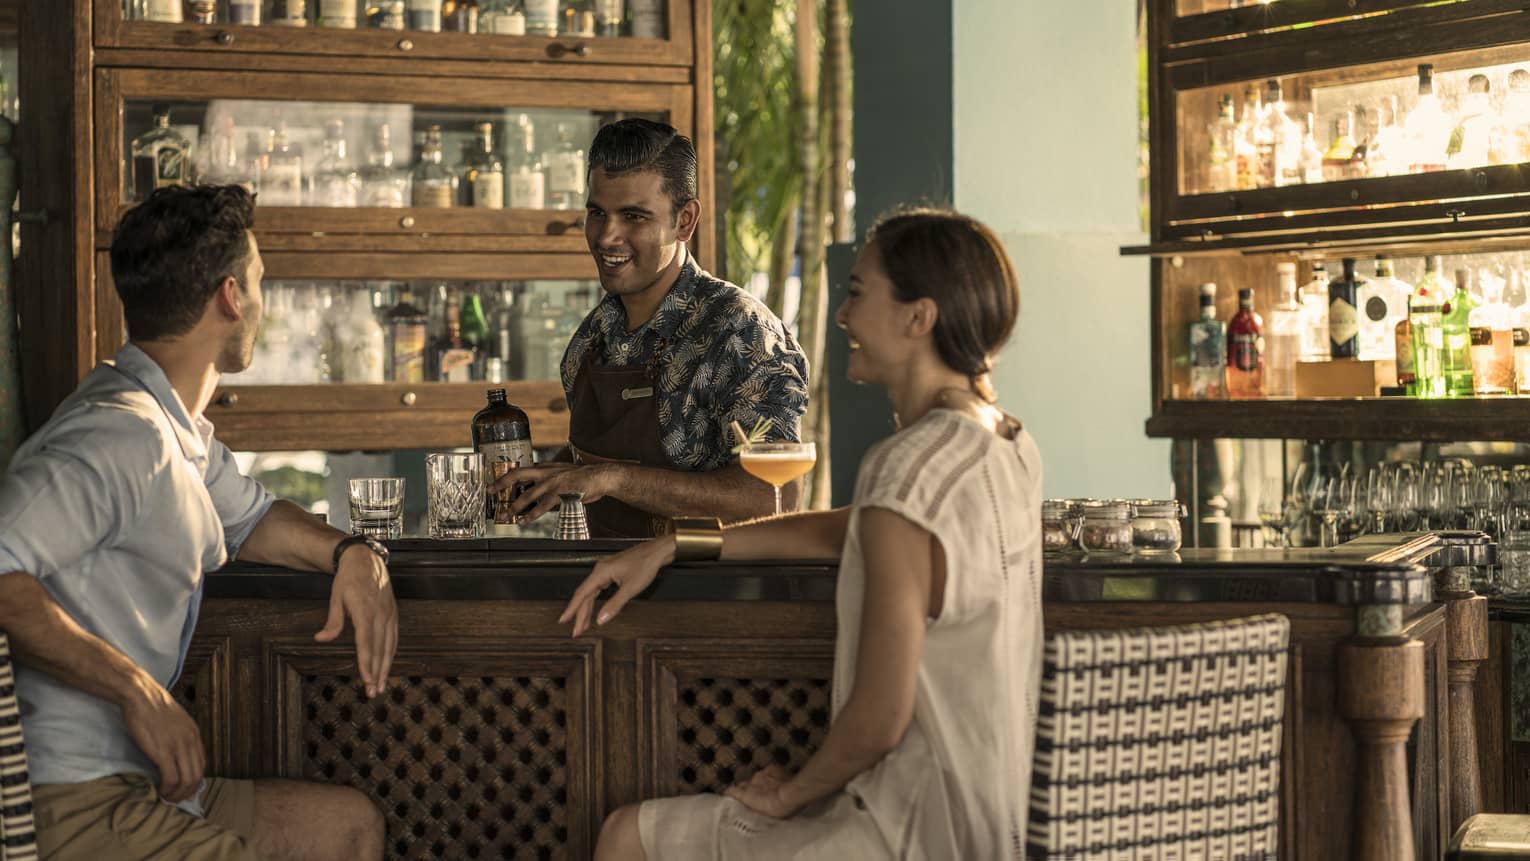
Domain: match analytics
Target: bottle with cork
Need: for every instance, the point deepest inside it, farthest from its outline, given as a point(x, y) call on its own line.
point(502, 433)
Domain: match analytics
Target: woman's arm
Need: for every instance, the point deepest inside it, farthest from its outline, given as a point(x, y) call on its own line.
point(809, 535)
point(900, 569)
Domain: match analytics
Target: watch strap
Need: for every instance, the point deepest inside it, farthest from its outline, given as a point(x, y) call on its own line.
point(350, 541)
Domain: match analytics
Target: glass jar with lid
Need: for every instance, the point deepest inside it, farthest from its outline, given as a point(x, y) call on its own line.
point(1107, 528)
point(1155, 526)
point(1059, 526)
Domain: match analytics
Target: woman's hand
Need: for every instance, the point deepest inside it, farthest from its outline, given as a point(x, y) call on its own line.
point(630, 570)
point(766, 792)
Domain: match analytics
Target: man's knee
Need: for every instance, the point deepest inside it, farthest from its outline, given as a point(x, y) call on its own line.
point(368, 828)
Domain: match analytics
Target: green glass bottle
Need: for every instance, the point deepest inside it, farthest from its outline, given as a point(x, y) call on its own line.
point(1455, 323)
point(1425, 331)
point(474, 328)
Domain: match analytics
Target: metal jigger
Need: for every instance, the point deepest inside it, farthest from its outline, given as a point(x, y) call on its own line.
point(572, 525)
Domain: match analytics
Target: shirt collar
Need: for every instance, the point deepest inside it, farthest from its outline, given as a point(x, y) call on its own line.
point(194, 434)
point(667, 317)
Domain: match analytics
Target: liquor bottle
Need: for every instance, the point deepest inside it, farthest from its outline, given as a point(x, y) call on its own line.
point(1339, 161)
point(425, 15)
point(459, 16)
point(1208, 351)
point(289, 13)
point(167, 11)
point(646, 18)
point(337, 14)
point(565, 172)
point(1383, 304)
point(335, 180)
point(1343, 319)
point(203, 11)
point(502, 17)
point(474, 330)
point(1455, 324)
point(257, 160)
point(383, 184)
point(1403, 334)
point(1427, 130)
point(360, 343)
point(1245, 150)
point(283, 182)
point(1386, 150)
point(1283, 344)
point(1511, 130)
point(456, 359)
point(1492, 337)
point(1245, 350)
point(1278, 141)
point(528, 179)
point(223, 165)
point(406, 325)
point(502, 434)
point(1470, 144)
point(1221, 163)
point(1311, 157)
point(440, 337)
point(1314, 299)
point(541, 17)
point(1424, 317)
point(434, 185)
point(576, 22)
point(505, 324)
point(161, 157)
point(246, 12)
point(608, 19)
point(487, 173)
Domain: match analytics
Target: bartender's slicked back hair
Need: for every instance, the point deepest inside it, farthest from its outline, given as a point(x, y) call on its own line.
point(634, 144)
point(170, 253)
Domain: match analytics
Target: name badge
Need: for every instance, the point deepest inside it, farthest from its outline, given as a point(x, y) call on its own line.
point(635, 394)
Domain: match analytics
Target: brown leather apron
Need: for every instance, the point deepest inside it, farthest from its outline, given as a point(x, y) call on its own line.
point(614, 417)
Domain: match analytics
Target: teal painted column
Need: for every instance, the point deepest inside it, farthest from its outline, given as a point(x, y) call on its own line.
point(12, 417)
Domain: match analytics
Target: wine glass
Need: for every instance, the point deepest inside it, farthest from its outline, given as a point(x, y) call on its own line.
point(1487, 496)
point(1272, 512)
point(1298, 503)
point(1405, 493)
point(778, 462)
point(1378, 498)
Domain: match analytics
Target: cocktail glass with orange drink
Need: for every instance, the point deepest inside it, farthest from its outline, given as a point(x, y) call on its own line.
point(778, 462)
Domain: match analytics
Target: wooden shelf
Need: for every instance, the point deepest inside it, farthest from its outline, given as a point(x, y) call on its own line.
point(1474, 419)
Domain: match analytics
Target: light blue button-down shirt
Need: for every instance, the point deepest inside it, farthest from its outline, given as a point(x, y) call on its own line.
point(119, 505)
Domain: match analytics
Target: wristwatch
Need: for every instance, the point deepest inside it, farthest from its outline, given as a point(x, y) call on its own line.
point(350, 541)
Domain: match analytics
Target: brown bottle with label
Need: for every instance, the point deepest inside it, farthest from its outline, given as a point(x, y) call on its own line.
point(502, 432)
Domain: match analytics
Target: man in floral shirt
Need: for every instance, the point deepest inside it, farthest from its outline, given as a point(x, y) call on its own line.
point(669, 359)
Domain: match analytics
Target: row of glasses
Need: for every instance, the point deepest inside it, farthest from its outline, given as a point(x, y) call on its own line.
point(456, 506)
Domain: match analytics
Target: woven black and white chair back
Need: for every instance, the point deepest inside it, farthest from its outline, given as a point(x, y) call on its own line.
point(18, 833)
point(1160, 743)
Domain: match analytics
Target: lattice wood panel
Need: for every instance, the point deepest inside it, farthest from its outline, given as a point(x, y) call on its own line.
point(728, 729)
point(203, 690)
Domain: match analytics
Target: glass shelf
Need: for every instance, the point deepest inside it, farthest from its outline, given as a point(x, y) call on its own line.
point(316, 332)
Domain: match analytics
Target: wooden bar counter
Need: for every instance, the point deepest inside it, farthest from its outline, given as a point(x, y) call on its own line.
point(500, 736)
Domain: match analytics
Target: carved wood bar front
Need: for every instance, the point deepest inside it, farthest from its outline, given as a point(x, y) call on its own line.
point(500, 736)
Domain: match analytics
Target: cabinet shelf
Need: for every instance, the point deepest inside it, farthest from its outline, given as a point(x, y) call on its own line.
point(1400, 419)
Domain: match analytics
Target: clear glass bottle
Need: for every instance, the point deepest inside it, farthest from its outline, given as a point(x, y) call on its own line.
point(646, 18)
point(161, 157)
point(1339, 162)
point(459, 16)
point(487, 174)
point(1245, 149)
point(1343, 316)
point(1425, 325)
point(335, 180)
point(503, 17)
point(1208, 350)
point(541, 17)
point(434, 186)
point(1428, 130)
point(388, 15)
point(1386, 152)
point(565, 172)
point(1314, 299)
point(608, 18)
point(425, 15)
point(1283, 343)
point(223, 166)
point(1471, 140)
point(1311, 157)
point(1492, 337)
point(1245, 350)
point(360, 343)
point(1383, 304)
point(1511, 133)
point(283, 182)
point(165, 11)
point(257, 161)
point(245, 12)
point(528, 179)
point(1278, 141)
point(1221, 163)
point(289, 13)
point(1455, 324)
point(337, 14)
point(382, 183)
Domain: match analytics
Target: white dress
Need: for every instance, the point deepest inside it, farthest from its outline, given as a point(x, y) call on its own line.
point(957, 785)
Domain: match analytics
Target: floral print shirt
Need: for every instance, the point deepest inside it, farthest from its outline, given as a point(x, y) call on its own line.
point(728, 359)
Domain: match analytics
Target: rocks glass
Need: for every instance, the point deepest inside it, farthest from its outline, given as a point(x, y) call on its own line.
point(455, 493)
point(377, 507)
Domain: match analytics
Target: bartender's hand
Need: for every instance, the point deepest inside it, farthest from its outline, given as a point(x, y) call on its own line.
point(630, 571)
point(540, 485)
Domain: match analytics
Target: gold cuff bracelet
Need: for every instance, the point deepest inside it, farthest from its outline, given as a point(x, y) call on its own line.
point(697, 538)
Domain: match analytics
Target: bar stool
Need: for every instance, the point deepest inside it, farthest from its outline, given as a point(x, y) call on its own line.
point(18, 833)
point(1160, 743)
point(1491, 837)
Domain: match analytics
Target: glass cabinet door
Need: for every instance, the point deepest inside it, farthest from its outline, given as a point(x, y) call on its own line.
point(478, 157)
point(1431, 129)
point(582, 32)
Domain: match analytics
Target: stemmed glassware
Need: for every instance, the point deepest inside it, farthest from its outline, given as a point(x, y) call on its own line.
point(1272, 511)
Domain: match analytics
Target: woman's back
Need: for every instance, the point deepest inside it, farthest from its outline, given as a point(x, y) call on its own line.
point(958, 783)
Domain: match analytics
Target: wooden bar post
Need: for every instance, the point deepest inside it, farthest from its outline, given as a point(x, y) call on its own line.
point(1466, 630)
point(1381, 691)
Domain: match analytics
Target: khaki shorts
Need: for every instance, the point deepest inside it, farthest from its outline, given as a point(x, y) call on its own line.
point(122, 818)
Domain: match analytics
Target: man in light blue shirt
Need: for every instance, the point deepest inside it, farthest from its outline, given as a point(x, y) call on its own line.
point(110, 517)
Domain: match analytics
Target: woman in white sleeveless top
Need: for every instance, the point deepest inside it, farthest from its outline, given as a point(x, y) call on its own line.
point(938, 657)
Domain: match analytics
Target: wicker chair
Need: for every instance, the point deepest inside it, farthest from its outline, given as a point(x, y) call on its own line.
point(1160, 743)
point(18, 834)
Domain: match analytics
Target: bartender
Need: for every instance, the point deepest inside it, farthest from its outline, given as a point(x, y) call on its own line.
point(668, 361)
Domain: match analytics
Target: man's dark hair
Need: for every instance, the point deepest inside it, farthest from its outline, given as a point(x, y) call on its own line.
point(170, 253)
point(634, 144)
